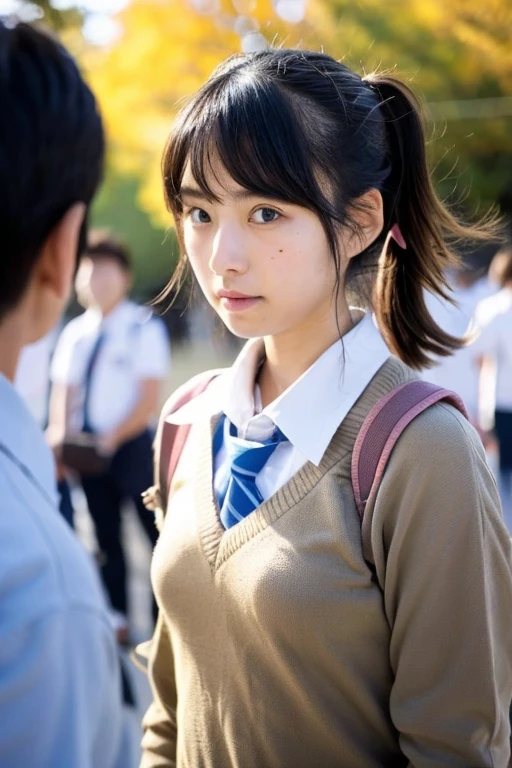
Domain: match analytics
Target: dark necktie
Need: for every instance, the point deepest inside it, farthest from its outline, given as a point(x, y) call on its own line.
point(93, 359)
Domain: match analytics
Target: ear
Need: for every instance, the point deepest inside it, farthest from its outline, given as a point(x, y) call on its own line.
point(57, 263)
point(368, 214)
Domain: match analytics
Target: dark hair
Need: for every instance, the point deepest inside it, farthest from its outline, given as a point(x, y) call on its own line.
point(501, 266)
point(51, 149)
point(100, 245)
point(301, 127)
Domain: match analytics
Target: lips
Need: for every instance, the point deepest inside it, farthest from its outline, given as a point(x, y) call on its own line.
point(234, 295)
point(234, 301)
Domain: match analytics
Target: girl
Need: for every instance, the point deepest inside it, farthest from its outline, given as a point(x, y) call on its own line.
point(289, 637)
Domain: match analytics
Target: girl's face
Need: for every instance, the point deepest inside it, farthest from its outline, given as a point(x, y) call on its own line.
point(264, 266)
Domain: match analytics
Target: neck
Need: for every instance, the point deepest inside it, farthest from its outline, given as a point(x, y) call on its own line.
point(289, 355)
point(11, 343)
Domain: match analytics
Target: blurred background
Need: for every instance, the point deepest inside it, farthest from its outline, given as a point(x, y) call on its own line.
point(143, 57)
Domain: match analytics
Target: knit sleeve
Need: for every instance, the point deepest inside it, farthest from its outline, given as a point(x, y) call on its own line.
point(159, 723)
point(443, 560)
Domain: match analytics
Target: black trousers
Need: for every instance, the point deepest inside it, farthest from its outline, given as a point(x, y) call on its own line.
point(129, 475)
point(503, 429)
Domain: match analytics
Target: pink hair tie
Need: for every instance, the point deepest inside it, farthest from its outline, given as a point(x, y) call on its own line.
point(396, 234)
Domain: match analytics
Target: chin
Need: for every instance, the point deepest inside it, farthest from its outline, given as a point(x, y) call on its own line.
point(247, 330)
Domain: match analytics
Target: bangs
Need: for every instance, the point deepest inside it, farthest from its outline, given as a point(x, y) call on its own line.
point(254, 130)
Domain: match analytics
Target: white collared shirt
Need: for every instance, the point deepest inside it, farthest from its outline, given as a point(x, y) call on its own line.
point(60, 701)
point(136, 348)
point(33, 376)
point(493, 323)
point(459, 371)
point(309, 412)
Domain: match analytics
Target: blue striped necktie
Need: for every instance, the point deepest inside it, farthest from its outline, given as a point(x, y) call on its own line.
point(91, 365)
point(247, 459)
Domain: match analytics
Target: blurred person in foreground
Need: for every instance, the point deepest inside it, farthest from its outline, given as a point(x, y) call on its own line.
point(107, 372)
point(60, 693)
point(493, 323)
point(32, 382)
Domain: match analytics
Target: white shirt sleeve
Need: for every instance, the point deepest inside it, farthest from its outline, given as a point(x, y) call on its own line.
point(60, 694)
point(485, 327)
point(153, 358)
point(67, 365)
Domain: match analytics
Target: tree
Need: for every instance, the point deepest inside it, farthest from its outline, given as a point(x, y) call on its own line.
point(166, 51)
point(452, 50)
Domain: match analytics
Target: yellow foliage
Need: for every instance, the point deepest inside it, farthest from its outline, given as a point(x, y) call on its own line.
point(452, 49)
point(166, 51)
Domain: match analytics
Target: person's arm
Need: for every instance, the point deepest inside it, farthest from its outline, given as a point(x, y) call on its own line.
point(60, 702)
point(138, 418)
point(65, 394)
point(63, 404)
point(152, 363)
point(159, 723)
point(443, 560)
point(63, 400)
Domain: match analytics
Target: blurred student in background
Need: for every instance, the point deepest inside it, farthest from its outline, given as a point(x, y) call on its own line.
point(60, 693)
point(107, 372)
point(493, 323)
point(459, 371)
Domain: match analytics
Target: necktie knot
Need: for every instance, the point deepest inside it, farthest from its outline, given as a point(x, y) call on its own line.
point(247, 459)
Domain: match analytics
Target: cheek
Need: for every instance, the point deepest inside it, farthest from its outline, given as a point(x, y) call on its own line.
point(304, 267)
point(198, 252)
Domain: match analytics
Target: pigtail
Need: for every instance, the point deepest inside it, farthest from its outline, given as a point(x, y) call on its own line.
point(429, 230)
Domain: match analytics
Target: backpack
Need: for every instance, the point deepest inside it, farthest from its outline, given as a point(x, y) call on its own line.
point(377, 437)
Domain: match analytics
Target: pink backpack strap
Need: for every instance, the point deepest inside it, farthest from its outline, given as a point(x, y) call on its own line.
point(383, 426)
point(174, 436)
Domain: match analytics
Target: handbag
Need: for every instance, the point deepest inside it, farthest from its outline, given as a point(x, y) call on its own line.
point(80, 453)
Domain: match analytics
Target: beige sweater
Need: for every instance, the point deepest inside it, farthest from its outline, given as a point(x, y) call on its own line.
point(279, 646)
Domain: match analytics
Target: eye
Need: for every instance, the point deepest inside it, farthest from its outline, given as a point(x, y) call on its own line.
point(265, 215)
point(198, 216)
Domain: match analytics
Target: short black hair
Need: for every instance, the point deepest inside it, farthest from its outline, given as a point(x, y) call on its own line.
point(101, 245)
point(51, 149)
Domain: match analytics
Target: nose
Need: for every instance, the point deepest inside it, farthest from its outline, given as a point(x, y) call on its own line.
point(228, 251)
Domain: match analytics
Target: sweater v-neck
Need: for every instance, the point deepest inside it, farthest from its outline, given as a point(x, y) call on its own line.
point(218, 543)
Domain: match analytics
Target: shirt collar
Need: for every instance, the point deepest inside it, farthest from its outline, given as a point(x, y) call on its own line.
point(123, 314)
point(23, 441)
point(323, 395)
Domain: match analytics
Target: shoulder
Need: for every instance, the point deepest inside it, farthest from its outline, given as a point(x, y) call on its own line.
point(43, 567)
point(436, 490)
point(150, 324)
point(149, 328)
point(438, 464)
point(493, 308)
point(441, 431)
point(74, 330)
point(139, 315)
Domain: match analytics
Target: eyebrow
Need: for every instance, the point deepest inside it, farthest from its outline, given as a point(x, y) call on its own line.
point(236, 196)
